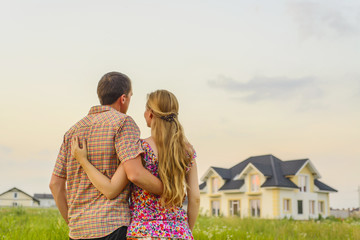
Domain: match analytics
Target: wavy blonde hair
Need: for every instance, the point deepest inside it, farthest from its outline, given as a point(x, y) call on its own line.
point(174, 151)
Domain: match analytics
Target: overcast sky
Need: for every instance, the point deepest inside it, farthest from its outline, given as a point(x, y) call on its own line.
point(252, 78)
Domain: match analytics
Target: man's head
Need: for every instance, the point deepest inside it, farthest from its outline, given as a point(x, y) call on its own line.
point(114, 89)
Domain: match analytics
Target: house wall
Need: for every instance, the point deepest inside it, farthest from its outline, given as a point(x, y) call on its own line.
point(204, 204)
point(265, 196)
point(287, 194)
point(8, 199)
point(225, 204)
point(325, 198)
point(47, 203)
point(305, 171)
point(208, 196)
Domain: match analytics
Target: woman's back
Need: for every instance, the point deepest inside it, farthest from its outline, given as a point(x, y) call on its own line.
point(149, 217)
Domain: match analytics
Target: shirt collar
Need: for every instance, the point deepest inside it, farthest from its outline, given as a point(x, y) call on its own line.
point(100, 109)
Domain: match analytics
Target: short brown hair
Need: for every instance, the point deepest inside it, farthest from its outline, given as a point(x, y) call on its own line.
point(112, 86)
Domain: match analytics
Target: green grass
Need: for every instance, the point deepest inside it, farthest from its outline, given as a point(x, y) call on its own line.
point(263, 229)
point(31, 223)
point(36, 223)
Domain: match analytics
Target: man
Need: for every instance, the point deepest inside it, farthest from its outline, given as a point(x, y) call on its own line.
point(111, 137)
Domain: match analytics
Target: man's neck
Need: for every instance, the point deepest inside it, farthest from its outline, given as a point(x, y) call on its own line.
point(115, 106)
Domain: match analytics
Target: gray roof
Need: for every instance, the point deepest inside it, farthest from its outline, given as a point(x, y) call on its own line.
point(223, 172)
point(274, 169)
point(284, 182)
point(292, 167)
point(232, 185)
point(202, 186)
point(43, 196)
point(323, 187)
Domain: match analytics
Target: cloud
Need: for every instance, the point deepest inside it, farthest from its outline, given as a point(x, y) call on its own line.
point(323, 19)
point(264, 88)
point(5, 151)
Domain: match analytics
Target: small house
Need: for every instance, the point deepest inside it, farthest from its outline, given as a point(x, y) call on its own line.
point(16, 197)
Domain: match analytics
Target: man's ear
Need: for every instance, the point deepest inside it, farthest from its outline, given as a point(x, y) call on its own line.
point(122, 98)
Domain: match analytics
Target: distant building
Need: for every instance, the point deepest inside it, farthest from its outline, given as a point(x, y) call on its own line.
point(16, 197)
point(46, 200)
point(340, 213)
point(355, 212)
point(265, 187)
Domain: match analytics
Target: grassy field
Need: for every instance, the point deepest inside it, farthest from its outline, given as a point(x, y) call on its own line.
point(35, 223)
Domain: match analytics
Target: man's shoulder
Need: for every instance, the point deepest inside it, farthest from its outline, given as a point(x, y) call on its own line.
point(113, 117)
point(76, 126)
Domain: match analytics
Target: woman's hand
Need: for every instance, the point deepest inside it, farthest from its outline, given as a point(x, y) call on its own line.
point(80, 154)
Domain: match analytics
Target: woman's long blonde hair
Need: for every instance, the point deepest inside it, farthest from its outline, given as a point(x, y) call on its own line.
point(174, 151)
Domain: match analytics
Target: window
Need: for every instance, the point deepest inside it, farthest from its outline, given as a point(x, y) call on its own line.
point(215, 208)
point(312, 207)
point(15, 195)
point(321, 207)
point(15, 204)
point(234, 208)
point(303, 183)
point(286, 207)
point(255, 183)
point(300, 207)
point(255, 207)
point(215, 185)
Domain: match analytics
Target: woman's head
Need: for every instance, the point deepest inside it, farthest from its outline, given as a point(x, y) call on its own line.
point(174, 154)
point(161, 106)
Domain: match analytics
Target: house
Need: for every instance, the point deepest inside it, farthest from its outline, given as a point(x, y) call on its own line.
point(16, 197)
point(265, 187)
point(46, 200)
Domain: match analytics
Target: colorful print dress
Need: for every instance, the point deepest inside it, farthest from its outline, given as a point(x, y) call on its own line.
point(148, 218)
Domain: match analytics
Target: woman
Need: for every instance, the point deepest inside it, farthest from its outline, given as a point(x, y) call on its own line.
point(167, 155)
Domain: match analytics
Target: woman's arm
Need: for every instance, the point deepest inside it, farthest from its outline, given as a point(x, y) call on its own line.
point(111, 188)
point(141, 177)
point(193, 194)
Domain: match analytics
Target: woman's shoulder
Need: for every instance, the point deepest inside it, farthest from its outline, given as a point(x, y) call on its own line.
point(191, 154)
point(149, 146)
point(190, 150)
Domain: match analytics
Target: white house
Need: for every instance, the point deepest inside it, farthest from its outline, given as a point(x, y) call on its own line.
point(46, 200)
point(265, 187)
point(16, 197)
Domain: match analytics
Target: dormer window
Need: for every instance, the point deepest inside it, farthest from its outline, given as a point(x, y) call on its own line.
point(255, 183)
point(304, 183)
point(214, 185)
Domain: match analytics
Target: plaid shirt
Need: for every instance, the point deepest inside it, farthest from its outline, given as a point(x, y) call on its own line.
point(111, 136)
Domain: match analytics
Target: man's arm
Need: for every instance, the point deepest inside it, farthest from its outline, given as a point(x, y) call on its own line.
point(141, 177)
point(58, 189)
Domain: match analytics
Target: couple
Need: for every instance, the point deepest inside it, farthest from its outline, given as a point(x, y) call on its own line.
point(102, 152)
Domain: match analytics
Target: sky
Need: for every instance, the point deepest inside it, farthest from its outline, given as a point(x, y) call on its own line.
point(252, 78)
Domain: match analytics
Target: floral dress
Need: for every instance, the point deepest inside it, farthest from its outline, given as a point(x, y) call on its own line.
point(149, 219)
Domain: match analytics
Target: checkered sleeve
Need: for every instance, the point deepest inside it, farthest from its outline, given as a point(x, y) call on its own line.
point(127, 141)
point(60, 164)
